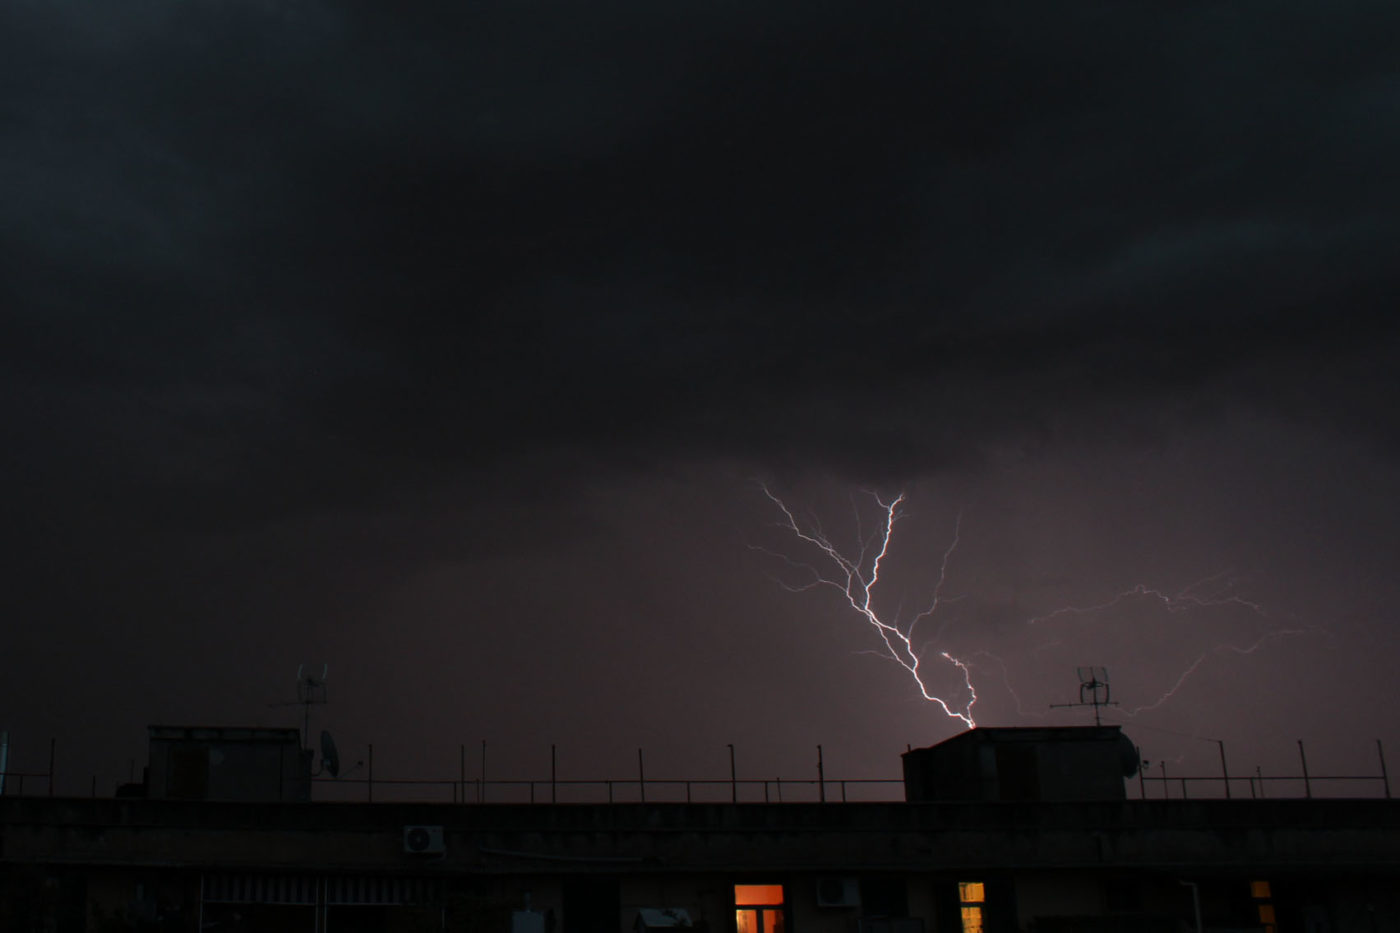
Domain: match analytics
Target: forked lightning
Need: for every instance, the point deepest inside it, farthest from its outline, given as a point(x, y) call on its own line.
point(856, 579)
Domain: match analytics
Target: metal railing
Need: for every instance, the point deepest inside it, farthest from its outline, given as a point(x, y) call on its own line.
point(612, 791)
point(1153, 783)
point(1226, 785)
point(12, 782)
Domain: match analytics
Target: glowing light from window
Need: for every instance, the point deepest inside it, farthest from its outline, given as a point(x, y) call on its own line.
point(758, 895)
point(972, 894)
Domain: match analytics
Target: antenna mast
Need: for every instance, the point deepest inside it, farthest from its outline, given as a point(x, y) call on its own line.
point(311, 690)
point(1093, 691)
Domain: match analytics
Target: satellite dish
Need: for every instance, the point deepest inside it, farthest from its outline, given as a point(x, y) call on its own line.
point(1128, 756)
point(330, 758)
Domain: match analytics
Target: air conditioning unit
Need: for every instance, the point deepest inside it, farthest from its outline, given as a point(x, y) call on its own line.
point(424, 840)
point(838, 892)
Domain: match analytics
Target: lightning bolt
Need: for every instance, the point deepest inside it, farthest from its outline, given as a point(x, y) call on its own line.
point(856, 578)
point(1191, 669)
point(1195, 596)
point(856, 575)
point(1183, 600)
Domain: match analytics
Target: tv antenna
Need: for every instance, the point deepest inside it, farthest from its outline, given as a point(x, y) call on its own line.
point(311, 691)
point(1093, 691)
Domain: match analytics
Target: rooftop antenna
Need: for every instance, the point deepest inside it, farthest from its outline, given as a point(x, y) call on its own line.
point(1093, 691)
point(311, 690)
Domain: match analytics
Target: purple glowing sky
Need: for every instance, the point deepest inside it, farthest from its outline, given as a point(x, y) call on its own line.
point(452, 349)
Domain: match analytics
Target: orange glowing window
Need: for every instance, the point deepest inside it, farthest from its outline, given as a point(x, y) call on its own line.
point(758, 908)
point(758, 895)
point(1259, 890)
point(758, 920)
point(1266, 913)
point(971, 892)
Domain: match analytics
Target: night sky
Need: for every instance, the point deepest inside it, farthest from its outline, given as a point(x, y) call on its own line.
point(454, 346)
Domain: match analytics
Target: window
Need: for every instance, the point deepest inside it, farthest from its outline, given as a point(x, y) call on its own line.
point(971, 896)
point(1263, 897)
point(758, 908)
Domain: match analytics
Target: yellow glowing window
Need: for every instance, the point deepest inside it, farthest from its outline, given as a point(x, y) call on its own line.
point(758, 895)
point(1259, 890)
point(971, 894)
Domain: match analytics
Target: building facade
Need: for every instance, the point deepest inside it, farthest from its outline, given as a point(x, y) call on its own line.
point(926, 866)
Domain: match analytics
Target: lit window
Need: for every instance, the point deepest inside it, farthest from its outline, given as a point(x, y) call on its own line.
point(758, 908)
point(758, 895)
point(971, 892)
point(1262, 894)
point(971, 895)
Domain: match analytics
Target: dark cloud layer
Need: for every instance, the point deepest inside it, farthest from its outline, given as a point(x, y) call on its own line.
point(288, 268)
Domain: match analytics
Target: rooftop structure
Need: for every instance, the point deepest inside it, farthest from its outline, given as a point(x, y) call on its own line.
point(995, 861)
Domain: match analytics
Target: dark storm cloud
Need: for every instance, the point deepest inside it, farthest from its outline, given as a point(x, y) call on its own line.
point(273, 253)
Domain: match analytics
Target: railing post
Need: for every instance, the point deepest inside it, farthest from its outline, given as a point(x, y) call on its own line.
point(369, 779)
point(1385, 776)
point(641, 777)
point(52, 743)
point(1142, 782)
point(733, 778)
point(1224, 771)
point(462, 772)
point(1166, 788)
point(1259, 772)
point(1307, 783)
point(821, 776)
point(482, 798)
point(553, 777)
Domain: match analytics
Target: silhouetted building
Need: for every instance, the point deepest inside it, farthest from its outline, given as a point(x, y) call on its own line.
point(1058, 763)
point(223, 763)
point(978, 863)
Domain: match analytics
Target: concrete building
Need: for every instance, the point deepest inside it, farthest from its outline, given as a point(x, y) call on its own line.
point(212, 763)
point(971, 863)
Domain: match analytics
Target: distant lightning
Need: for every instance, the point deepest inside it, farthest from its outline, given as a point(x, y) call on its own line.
point(1189, 598)
point(1183, 600)
point(856, 579)
point(856, 575)
point(1191, 669)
